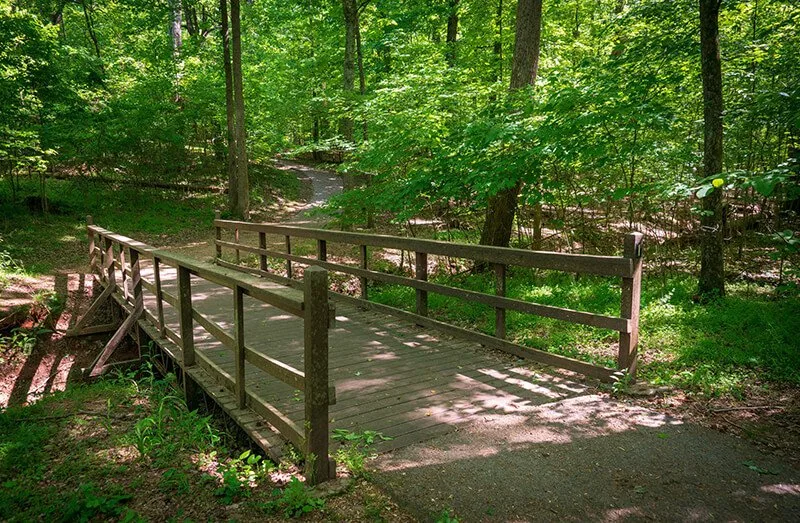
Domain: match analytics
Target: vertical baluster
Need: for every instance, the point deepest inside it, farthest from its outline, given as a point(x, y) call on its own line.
point(631, 291)
point(217, 234)
point(185, 311)
point(109, 262)
point(92, 254)
point(124, 271)
point(262, 243)
point(238, 325)
point(500, 290)
point(236, 240)
point(421, 273)
point(363, 279)
point(288, 251)
point(162, 327)
point(322, 250)
point(315, 321)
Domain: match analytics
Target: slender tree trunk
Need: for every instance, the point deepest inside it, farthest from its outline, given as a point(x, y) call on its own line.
point(90, 29)
point(350, 8)
point(712, 262)
point(498, 43)
point(233, 194)
point(452, 33)
point(362, 78)
point(502, 206)
point(242, 180)
point(177, 43)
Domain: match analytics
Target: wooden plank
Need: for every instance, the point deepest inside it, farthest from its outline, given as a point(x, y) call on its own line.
point(581, 263)
point(277, 369)
point(80, 327)
point(169, 298)
point(555, 360)
point(316, 373)
point(285, 426)
point(630, 304)
point(214, 329)
point(284, 298)
point(113, 343)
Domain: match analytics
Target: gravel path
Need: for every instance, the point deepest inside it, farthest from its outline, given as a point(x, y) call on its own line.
point(589, 458)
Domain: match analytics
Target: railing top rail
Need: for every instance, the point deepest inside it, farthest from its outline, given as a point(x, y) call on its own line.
point(123, 240)
point(580, 263)
point(287, 299)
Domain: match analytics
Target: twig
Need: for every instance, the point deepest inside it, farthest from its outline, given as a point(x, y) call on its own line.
point(750, 407)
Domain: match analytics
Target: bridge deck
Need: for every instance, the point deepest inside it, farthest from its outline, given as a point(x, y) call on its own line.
point(406, 382)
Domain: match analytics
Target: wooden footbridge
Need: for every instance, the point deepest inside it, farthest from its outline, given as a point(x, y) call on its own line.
point(262, 332)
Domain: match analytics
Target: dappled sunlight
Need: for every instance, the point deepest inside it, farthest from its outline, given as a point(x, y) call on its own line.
point(782, 489)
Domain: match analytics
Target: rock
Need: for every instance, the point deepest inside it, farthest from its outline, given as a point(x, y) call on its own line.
point(332, 487)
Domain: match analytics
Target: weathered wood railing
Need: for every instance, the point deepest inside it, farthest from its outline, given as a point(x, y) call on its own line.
point(627, 267)
point(111, 253)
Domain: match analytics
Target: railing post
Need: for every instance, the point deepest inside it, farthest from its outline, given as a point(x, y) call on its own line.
point(109, 261)
point(236, 240)
point(136, 279)
point(319, 467)
point(363, 279)
point(122, 272)
point(162, 327)
point(288, 251)
point(238, 340)
point(185, 311)
point(217, 234)
point(421, 273)
point(92, 255)
point(322, 250)
point(262, 244)
point(631, 291)
point(500, 290)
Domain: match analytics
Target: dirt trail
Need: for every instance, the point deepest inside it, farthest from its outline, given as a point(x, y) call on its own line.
point(325, 184)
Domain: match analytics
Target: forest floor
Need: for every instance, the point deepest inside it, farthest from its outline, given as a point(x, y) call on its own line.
point(662, 452)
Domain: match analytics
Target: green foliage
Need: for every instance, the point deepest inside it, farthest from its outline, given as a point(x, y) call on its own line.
point(88, 503)
point(294, 501)
point(239, 474)
point(355, 448)
point(447, 516)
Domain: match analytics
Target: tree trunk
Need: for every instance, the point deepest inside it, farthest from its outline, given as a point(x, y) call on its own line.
point(498, 43)
point(712, 262)
point(362, 78)
point(452, 33)
point(242, 180)
point(233, 194)
point(350, 8)
point(176, 18)
point(502, 206)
